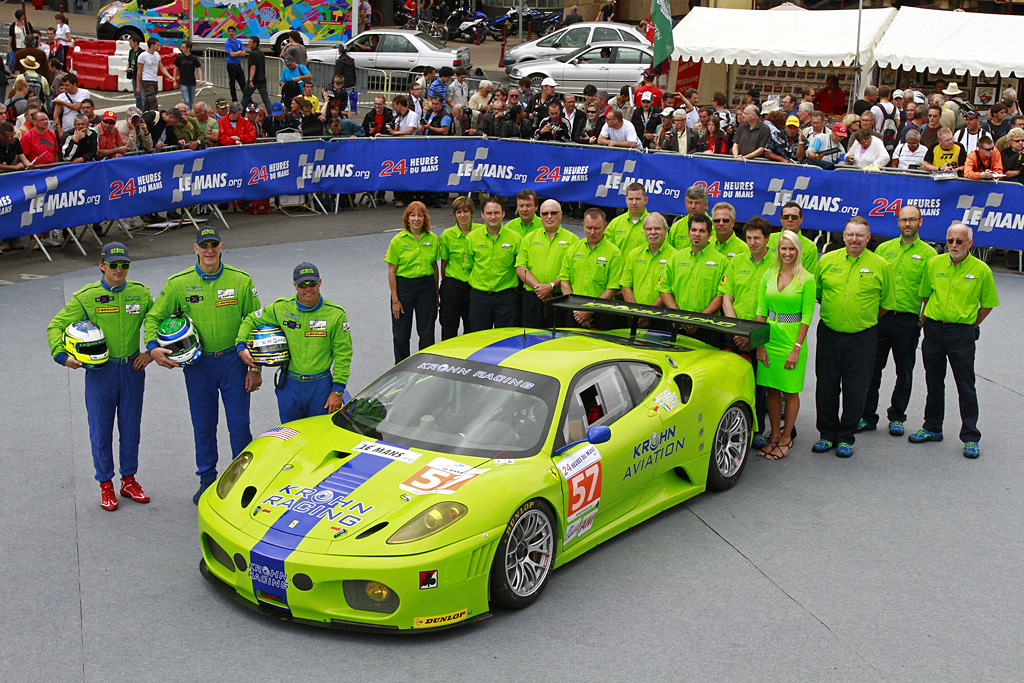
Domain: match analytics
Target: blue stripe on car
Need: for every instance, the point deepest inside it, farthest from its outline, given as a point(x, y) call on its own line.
point(281, 539)
point(500, 351)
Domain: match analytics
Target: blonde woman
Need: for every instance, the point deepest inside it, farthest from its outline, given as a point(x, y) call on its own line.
point(786, 302)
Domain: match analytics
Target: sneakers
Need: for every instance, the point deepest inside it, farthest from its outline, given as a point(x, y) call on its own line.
point(971, 450)
point(864, 426)
point(822, 446)
point(203, 485)
point(759, 441)
point(895, 428)
point(108, 501)
point(131, 489)
point(844, 450)
point(922, 435)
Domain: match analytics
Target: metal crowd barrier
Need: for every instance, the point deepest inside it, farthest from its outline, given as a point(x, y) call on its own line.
point(215, 69)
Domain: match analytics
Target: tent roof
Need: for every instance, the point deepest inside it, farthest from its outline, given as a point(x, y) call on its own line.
point(822, 37)
point(910, 42)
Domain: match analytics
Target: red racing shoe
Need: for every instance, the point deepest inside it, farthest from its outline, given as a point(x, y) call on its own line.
point(131, 489)
point(108, 501)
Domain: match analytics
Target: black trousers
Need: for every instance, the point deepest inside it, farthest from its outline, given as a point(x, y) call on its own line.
point(417, 295)
point(236, 74)
point(454, 307)
point(535, 312)
point(488, 310)
point(953, 342)
point(897, 333)
point(843, 365)
point(247, 94)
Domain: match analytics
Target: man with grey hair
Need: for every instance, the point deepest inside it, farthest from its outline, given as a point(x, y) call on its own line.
point(573, 17)
point(207, 123)
point(865, 103)
point(725, 241)
point(481, 99)
point(804, 113)
point(644, 265)
point(909, 155)
point(958, 292)
point(79, 143)
point(696, 198)
point(752, 135)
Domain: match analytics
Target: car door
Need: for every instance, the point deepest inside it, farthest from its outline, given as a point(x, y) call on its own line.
point(604, 34)
point(590, 66)
point(600, 483)
point(627, 67)
point(396, 52)
point(363, 50)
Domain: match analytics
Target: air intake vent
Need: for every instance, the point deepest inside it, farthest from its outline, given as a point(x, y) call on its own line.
point(685, 384)
point(247, 495)
point(372, 530)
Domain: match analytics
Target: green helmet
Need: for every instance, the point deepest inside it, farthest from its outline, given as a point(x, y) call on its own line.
point(179, 334)
point(84, 341)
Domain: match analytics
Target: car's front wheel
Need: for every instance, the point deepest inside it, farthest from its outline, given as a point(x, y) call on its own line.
point(729, 452)
point(525, 556)
point(536, 79)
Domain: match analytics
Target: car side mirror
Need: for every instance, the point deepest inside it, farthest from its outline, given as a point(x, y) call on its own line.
point(556, 44)
point(595, 435)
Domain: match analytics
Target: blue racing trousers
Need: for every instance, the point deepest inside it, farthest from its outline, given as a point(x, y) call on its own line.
point(203, 379)
point(304, 395)
point(114, 389)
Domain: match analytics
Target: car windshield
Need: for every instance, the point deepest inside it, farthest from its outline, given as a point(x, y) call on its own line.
point(455, 406)
point(432, 42)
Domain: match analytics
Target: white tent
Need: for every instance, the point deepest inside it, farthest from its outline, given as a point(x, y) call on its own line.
point(914, 41)
point(780, 38)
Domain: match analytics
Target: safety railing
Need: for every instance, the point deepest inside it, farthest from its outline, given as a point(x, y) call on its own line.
point(215, 69)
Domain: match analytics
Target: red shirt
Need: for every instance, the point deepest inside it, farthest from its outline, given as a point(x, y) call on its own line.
point(110, 140)
point(241, 128)
point(647, 88)
point(40, 149)
point(830, 102)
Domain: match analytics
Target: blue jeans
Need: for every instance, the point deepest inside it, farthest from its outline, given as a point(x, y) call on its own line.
point(204, 379)
point(188, 95)
point(139, 95)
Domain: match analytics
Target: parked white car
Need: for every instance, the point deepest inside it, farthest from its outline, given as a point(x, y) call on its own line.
point(396, 49)
point(609, 66)
point(570, 39)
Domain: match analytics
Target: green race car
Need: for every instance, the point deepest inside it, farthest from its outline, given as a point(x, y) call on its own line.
point(461, 477)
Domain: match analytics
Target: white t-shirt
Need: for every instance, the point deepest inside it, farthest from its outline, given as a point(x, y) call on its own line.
point(150, 63)
point(625, 132)
point(64, 35)
point(883, 109)
point(822, 145)
point(410, 120)
point(906, 158)
point(67, 115)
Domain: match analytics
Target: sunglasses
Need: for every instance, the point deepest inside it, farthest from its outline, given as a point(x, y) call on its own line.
point(954, 240)
point(550, 213)
point(120, 265)
point(209, 245)
point(307, 284)
point(985, 149)
point(591, 111)
point(721, 221)
point(791, 217)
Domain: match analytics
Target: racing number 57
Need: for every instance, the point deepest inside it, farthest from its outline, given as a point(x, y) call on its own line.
point(584, 489)
point(433, 480)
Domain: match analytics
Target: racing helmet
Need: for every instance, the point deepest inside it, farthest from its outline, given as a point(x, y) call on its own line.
point(179, 334)
point(268, 346)
point(84, 341)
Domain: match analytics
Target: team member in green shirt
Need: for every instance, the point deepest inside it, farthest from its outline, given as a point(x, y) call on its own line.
point(216, 297)
point(739, 289)
point(412, 278)
point(539, 260)
point(959, 292)
point(692, 277)
point(626, 231)
point(792, 216)
point(454, 278)
point(726, 243)
point(696, 199)
point(117, 306)
point(592, 267)
point(318, 335)
point(491, 261)
point(899, 329)
point(644, 266)
point(526, 220)
point(855, 288)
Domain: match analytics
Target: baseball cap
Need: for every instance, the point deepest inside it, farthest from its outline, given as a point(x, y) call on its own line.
point(667, 112)
point(204, 235)
point(550, 81)
point(840, 129)
point(898, 93)
point(114, 251)
point(110, 116)
point(277, 109)
point(305, 272)
point(647, 96)
point(972, 114)
point(755, 93)
point(793, 121)
point(649, 74)
point(252, 107)
point(221, 102)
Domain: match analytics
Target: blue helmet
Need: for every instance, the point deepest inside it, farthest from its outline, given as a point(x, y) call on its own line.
point(268, 346)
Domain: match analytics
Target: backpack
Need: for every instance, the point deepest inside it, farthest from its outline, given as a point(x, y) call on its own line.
point(35, 84)
point(890, 127)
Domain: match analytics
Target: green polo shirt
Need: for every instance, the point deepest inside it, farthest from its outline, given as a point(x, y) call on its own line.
point(516, 224)
point(543, 255)
point(907, 265)
point(118, 311)
point(414, 256)
point(453, 250)
point(491, 261)
point(732, 248)
point(642, 270)
point(742, 282)
point(693, 280)
point(956, 292)
point(627, 234)
point(808, 251)
point(591, 271)
point(851, 290)
point(679, 233)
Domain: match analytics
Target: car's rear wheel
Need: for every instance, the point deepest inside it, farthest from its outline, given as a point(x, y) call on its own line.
point(125, 33)
point(729, 452)
point(535, 80)
point(526, 553)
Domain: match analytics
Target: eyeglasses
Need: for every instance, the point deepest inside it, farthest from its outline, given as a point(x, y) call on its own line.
point(791, 217)
point(721, 221)
point(120, 265)
point(550, 213)
point(307, 284)
point(909, 220)
point(954, 240)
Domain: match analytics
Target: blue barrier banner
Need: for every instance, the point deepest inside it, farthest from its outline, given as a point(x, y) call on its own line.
point(66, 196)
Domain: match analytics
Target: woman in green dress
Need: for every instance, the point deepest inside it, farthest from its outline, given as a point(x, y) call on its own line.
point(786, 302)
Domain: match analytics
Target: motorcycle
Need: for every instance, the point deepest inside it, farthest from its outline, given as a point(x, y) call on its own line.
point(546, 22)
point(465, 26)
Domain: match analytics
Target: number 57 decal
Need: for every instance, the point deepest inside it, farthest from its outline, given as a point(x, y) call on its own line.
point(441, 475)
point(582, 473)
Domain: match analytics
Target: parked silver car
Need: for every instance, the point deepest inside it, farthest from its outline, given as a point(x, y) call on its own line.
point(571, 38)
point(397, 49)
point(609, 66)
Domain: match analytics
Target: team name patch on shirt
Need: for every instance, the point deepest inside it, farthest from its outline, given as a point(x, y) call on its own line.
point(225, 294)
point(316, 334)
point(133, 309)
point(227, 302)
point(318, 324)
point(346, 327)
point(108, 309)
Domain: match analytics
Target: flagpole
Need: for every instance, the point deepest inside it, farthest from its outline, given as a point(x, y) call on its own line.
point(856, 68)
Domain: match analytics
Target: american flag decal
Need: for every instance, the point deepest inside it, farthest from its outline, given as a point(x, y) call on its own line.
point(282, 433)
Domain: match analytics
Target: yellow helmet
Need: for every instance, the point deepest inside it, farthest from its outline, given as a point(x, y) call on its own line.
point(84, 342)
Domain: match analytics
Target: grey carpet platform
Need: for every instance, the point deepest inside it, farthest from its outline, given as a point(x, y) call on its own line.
point(903, 563)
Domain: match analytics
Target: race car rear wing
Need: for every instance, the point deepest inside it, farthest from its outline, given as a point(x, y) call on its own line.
point(756, 332)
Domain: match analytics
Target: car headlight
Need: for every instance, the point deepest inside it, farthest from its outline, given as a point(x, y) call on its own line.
point(433, 519)
point(232, 473)
point(517, 73)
